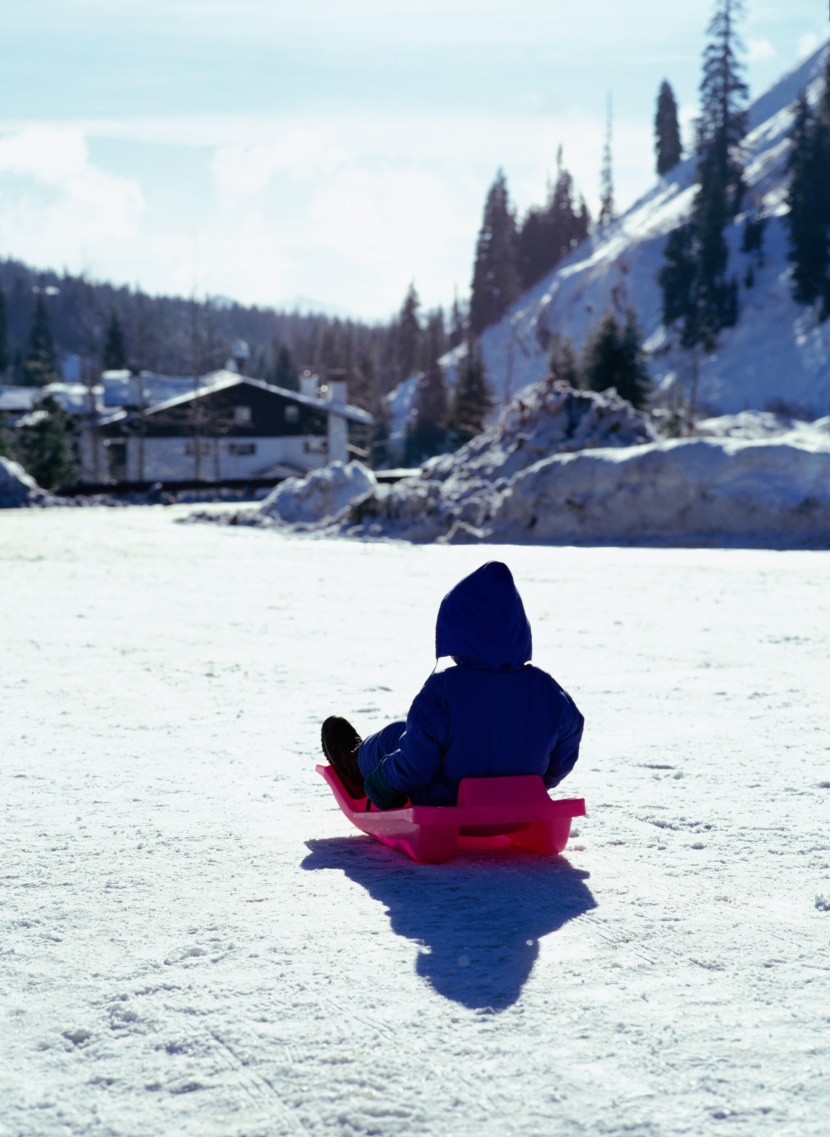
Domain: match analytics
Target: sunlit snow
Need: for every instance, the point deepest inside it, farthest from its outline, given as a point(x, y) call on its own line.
point(195, 942)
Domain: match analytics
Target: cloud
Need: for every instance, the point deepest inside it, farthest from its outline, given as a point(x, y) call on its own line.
point(760, 50)
point(807, 44)
point(56, 201)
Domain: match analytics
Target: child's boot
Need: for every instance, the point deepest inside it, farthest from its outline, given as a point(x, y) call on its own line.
point(341, 742)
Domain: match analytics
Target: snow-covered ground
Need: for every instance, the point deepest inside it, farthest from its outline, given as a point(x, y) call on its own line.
point(195, 942)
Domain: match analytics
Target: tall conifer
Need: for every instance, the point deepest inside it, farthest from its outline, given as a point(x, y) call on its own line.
point(408, 335)
point(667, 143)
point(5, 358)
point(115, 346)
point(808, 197)
point(606, 205)
point(41, 365)
point(495, 274)
point(472, 400)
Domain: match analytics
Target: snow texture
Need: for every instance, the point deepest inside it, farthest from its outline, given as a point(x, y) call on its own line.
point(17, 488)
point(320, 495)
point(194, 941)
point(567, 467)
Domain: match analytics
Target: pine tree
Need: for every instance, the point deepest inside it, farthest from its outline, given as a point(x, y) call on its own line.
point(667, 130)
point(633, 381)
point(41, 366)
point(427, 435)
point(47, 446)
point(115, 347)
point(472, 401)
point(458, 324)
point(613, 357)
point(808, 198)
point(696, 287)
point(495, 283)
point(562, 361)
point(548, 234)
point(408, 335)
point(286, 373)
point(606, 205)
point(723, 100)
point(5, 358)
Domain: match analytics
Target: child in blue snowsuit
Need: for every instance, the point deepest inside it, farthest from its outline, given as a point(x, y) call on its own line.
point(491, 715)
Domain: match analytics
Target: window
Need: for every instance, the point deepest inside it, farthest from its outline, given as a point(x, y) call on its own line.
point(242, 448)
point(292, 413)
point(241, 416)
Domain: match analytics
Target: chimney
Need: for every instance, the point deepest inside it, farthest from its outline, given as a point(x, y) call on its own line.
point(337, 384)
point(308, 383)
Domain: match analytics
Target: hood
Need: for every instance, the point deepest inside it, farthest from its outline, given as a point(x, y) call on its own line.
point(482, 621)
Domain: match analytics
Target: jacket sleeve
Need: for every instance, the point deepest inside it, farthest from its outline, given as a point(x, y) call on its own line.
point(422, 746)
point(565, 752)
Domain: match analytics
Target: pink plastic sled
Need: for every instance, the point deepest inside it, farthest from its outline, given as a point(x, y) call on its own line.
point(498, 811)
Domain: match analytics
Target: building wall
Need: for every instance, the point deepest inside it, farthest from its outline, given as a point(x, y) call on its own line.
point(174, 459)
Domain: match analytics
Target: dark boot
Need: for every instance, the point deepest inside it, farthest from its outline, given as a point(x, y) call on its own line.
point(341, 742)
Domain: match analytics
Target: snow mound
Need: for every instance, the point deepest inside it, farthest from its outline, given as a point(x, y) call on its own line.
point(456, 494)
point(320, 495)
point(17, 488)
point(684, 491)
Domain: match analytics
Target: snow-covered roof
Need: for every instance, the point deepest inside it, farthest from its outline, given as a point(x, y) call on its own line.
point(222, 380)
point(17, 400)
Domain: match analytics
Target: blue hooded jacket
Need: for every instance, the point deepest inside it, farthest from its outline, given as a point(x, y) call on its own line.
point(491, 715)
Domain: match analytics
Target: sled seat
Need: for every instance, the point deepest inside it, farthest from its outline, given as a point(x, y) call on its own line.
point(497, 812)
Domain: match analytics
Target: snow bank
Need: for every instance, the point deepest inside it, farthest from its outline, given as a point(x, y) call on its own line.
point(571, 467)
point(319, 496)
point(714, 491)
point(17, 488)
point(457, 493)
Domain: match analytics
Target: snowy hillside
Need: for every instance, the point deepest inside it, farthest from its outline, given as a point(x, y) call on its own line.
point(776, 357)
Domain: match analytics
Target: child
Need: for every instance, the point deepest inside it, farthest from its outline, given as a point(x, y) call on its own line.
point(491, 715)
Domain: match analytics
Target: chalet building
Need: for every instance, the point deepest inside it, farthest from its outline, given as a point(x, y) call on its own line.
point(230, 426)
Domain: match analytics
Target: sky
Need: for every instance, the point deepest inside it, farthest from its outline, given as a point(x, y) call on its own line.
point(332, 151)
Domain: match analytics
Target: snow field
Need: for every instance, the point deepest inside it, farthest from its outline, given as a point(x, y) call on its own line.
point(193, 941)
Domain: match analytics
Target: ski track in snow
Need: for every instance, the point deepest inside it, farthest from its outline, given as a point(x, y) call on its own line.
point(194, 941)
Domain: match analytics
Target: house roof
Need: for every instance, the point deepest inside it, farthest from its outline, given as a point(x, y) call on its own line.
point(18, 400)
point(222, 380)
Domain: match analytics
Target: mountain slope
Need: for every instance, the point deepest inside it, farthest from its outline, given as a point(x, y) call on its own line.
point(777, 356)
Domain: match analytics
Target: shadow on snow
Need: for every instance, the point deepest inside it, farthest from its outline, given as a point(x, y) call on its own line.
point(478, 918)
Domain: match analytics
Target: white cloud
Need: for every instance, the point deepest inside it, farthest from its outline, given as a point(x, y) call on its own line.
point(760, 50)
point(58, 205)
point(807, 44)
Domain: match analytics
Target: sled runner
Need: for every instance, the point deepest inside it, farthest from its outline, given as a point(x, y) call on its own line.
point(498, 811)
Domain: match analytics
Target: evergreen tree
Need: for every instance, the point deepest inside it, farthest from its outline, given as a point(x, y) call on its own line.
point(696, 287)
point(115, 347)
point(723, 99)
point(5, 358)
point(472, 401)
point(428, 432)
point(677, 275)
point(408, 335)
point(41, 365)
point(495, 273)
point(286, 373)
point(548, 234)
point(613, 357)
point(562, 361)
point(606, 204)
point(808, 198)
point(633, 381)
point(434, 342)
point(6, 450)
point(458, 325)
point(47, 446)
point(667, 130)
